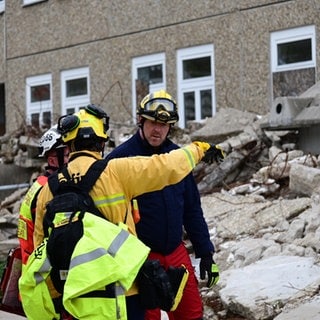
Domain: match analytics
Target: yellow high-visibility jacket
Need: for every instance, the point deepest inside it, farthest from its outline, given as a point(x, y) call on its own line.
point(101, 270)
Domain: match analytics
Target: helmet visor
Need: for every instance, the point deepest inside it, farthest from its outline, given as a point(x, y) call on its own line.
point(156, 104)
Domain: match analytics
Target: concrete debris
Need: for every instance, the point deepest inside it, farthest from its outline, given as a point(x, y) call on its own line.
point(262, 208)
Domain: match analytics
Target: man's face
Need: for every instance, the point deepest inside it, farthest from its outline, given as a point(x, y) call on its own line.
point(155, 132)
point(52, 157)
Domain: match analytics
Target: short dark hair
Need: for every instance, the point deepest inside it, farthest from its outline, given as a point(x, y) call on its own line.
point(93, 144)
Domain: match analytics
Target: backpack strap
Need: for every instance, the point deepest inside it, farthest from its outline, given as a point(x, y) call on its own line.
point(53, 183)
point(85, 185)
point(92, 175)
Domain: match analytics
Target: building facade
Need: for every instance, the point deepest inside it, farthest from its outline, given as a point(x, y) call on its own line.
point(59, 55)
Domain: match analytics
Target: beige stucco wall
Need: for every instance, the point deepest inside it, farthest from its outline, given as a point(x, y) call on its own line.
point(55, 23)
point(105, 35)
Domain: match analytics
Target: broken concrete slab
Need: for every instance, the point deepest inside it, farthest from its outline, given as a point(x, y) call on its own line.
point(226, 123)
point(260, 290)
point(306, 311)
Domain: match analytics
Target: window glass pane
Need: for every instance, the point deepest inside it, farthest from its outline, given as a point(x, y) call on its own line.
point(40, 93)
point(76, 87)
point(70, 110)
point(196, 68)
point(35, 120)
point(31, 1)
point(293, 52)
point(189, 106)
point(151, 74)
point(1, 5)
point(46, 119)
point(206, 103)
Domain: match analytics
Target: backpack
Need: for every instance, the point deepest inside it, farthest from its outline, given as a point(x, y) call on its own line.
point(74, 199)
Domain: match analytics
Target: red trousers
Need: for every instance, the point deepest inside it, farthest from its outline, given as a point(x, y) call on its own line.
point(190, 306)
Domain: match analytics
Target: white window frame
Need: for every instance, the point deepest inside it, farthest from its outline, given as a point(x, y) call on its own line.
point(2, 5)
point(27, 2)
point(147, 61)
point(197, 84)
point(290, 35)
point(42, 106)
point(78, 101)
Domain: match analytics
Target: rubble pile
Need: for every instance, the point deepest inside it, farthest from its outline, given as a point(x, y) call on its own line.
point(262, 207)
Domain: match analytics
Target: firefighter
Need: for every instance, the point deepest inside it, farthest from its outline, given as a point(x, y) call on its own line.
point(165, 213)
point(56, 154)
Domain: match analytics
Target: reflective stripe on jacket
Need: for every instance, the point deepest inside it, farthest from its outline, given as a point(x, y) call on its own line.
point(27, 217)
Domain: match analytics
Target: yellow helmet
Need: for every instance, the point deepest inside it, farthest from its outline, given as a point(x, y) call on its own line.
point(159, 106)
point(88, 123)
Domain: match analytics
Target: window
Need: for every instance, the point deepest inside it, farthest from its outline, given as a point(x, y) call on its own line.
point(74, 90)
point(2, 5)
point(293, 49)
point(27, 2)
point(196, 94)
point(39, 101)
point(293, 61)
point(148, 75)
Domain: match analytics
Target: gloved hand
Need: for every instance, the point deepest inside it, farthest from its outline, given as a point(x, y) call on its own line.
point(214, 153)
point(207, 265)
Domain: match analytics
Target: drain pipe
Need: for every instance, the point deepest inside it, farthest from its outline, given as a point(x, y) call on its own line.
point(14, 186)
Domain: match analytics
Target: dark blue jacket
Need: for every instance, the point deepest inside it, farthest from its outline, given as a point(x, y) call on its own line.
point(163, 213)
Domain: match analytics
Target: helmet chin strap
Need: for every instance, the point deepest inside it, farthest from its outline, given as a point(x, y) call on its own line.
point(60, 156)
point(102, 149)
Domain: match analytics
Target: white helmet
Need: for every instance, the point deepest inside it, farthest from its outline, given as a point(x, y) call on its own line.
point(49, 141)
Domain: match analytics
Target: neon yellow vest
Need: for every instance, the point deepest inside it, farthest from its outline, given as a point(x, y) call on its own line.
point(26, 220)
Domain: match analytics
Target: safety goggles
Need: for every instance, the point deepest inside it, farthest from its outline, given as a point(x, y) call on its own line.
point(156, 104)
point(70, 122)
